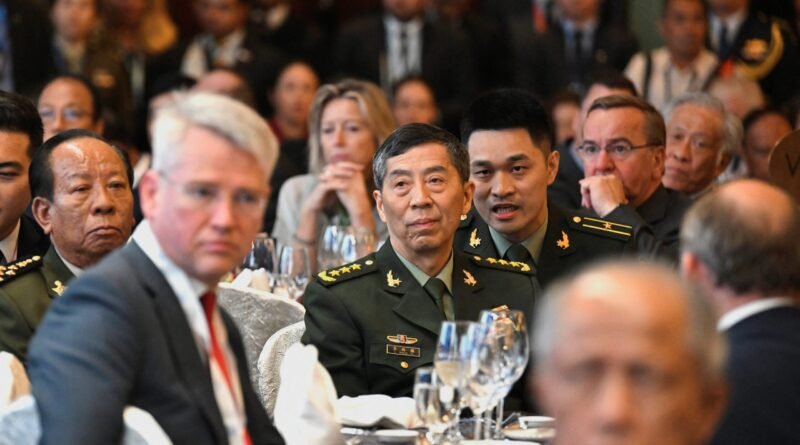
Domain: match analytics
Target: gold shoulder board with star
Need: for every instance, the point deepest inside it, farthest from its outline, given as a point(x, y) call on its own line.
point(343, 273)
point(18, 268)
point(601, 227)
point(495, 263)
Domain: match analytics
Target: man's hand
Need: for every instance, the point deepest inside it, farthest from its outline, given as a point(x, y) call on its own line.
point(602, 194)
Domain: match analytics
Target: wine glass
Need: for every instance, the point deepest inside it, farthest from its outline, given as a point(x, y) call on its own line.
point(433, 400)
point(454, 363)
point(293, 271)
point(262, 256)
point(329, 253)
point(506, 339)
point(355, 243)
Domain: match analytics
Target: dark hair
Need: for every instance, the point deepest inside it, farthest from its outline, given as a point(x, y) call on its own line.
point(94, 93)
point(19, 115)
point(409, 136)
point(412, 78)
point(508, 109)
point(746, 248)
point(756, 115)
point(95, 5)
point(40, 173)
point(655, 130)
point(665, 4)
point(613, 80)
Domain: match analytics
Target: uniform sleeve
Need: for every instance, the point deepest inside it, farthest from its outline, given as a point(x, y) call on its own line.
point(82, 363)
point(646, 243)
point(330, 327)
point(14, 330)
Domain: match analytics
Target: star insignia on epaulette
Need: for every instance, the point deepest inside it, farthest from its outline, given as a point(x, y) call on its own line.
point(503, 262)
point(468, 278)
point(491, 260)
point(334, 273)
point(58, 287)
point(355, 266)
point(564, 241)
point(324, 277)
point(391, 281)
point(474, 241)
point(345, 269)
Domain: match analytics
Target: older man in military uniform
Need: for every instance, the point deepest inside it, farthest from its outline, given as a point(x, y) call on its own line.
point(512, 162)
point(83, 201)
point(377, 320)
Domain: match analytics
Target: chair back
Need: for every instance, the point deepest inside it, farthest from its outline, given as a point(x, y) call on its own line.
point(14, 381)
point(258, 315)
point(19, 423)
point(269, 362)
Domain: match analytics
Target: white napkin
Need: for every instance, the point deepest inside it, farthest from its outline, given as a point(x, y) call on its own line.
point(14, 381)
point(377, 410)
point(305, 411)
point(256, 279)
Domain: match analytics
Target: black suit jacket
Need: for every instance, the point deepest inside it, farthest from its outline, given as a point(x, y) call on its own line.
point(565, 191)
point(544, 68)
point(557, 257)
point(119, 337)
point(31, 35)
point(32, 240)
point(352, 312)
point(763, 367)
point(446, 62)
point(662, 213)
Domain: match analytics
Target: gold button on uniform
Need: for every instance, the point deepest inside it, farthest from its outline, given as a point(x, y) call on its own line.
point(404, 364)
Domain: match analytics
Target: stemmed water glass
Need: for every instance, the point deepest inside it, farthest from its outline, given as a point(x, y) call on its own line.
point(501, 358)
point(329, 254)
point(293, 271)
point(434, 401)
point(454, 364)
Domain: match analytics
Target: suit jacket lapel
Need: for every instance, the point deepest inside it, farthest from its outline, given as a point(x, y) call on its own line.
point(415, 305)
point(55, 273)
point(181, 341)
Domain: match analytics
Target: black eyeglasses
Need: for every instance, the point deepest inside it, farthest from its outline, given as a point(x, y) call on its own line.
point(619, 150)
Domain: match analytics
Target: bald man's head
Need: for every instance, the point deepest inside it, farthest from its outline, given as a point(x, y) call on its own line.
point(746, 235)
point(626, 354)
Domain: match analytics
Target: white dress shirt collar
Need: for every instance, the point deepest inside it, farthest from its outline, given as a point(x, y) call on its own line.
point(9, 245)
point(730, 318)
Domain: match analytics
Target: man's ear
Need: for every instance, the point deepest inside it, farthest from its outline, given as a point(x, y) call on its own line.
point(469, 193)
point(148, 193)
point(40, 207)
point(376, 194)
point(552, 162)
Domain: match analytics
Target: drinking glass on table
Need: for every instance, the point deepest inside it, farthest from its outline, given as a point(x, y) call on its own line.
point(329, 253)
point(293, 271)
point(504, 340)
point(356, 243)
point(434, 401)
point(454, 364)
point(262, 255)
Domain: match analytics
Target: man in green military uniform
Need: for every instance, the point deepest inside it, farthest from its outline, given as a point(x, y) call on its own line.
point(375, 321)
point(512, 162)
point(82, 199)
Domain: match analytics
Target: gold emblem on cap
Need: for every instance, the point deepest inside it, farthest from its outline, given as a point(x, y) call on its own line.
point(468, 278)
point(391, 280)
point(474, 241)
point(563, 243)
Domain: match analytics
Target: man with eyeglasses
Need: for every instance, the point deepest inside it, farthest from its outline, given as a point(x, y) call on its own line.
point(512, 161)
point(623, 159)
point(142, 327)
point(67, 102)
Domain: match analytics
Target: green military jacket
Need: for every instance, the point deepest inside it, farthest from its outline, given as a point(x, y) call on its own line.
point(27, 288)
point(374, 325)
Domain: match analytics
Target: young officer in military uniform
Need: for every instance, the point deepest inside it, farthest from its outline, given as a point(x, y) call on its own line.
point(82, 199)
point(375, 321)
point(510, 142)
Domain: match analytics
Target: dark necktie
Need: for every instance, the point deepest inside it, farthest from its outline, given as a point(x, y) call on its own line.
point(437, 289)
point(209, 301)
point(578, 48)
point(724, 42)
point(520, 253)
point(404, 50)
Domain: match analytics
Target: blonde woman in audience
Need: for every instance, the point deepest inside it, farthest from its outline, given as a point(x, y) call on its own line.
point(348, 121)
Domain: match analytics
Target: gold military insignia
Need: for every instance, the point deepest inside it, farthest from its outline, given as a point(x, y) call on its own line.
point(491, 260)
point(754, 49)
point(503, 262)
point(474, 241)
point(500, 308)
point(521, 266)
point(463, 217)
point(563, 243)
point(368, 263)
point(324, 277)
point(391, 280)
point(468, 278)
point(402, 339)
point(405, 351)
point(605, 226)
point(58, 287)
